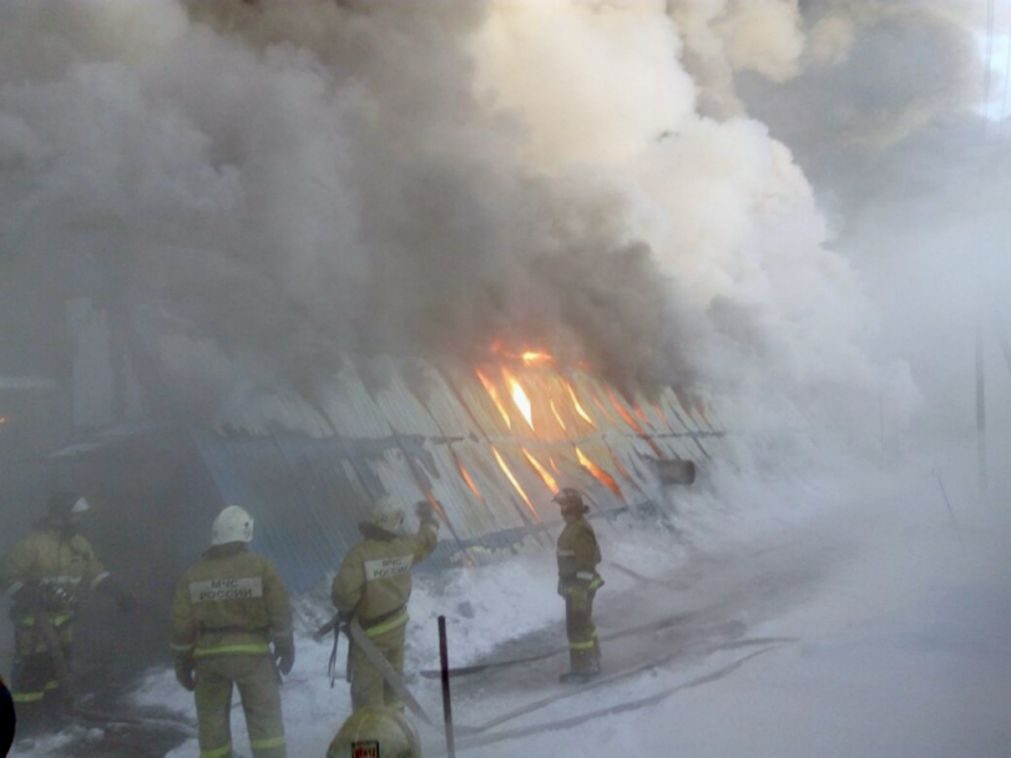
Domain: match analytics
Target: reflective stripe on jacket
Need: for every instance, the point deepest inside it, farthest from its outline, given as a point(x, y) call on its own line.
point(229, 602)
point(578, 555)
point(374, 580)
point(55, 560)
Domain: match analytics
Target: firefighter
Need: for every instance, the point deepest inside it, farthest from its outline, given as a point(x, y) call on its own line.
point(376, 732)
point(43, 573)
point(229, 607)
point(372, 588)
point(578, 581)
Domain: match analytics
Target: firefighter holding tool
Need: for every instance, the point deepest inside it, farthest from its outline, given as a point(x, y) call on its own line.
point(371, 590)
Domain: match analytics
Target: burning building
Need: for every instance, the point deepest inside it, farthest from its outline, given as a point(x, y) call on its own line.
point(487, 445)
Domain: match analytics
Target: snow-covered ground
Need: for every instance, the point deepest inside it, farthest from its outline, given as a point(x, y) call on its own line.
point(828, 618)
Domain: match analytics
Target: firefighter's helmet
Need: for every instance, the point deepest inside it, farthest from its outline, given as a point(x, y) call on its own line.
point(233, 524)
point(570, 500)
point(388, 519)
point(376, 731)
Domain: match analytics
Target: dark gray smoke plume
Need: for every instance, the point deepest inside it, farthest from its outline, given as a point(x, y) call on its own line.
point(249, 189)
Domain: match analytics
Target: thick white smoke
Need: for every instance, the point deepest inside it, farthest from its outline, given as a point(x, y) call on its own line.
point(263, 185)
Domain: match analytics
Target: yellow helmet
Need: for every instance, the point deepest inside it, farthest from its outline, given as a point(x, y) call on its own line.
point(376, 732)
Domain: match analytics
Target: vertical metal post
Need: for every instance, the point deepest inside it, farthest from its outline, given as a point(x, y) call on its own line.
point(447, 703)
point(981, 413)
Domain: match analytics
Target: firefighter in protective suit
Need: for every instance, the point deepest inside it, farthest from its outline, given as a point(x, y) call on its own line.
point(377, 733)
point(578, 582)
point(229, 607)
point(44, 571)
point(372, 588)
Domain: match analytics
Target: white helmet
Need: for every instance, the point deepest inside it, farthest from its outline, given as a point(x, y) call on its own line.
point(233, 524)
point(388, 519)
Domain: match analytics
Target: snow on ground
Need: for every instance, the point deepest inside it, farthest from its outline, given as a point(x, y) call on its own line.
point(903, 650)
point(817, 616)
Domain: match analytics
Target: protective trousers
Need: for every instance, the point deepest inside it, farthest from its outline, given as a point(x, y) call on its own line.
point(256, 679)
point(584, 649)
point(367, 684)
point(34, 674)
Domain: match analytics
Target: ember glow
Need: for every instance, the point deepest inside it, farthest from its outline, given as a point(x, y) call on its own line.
point(599, 474)
point(579, 408)
point(623, 412)
point(492, 391)
point(641, 414)
point(536, 358)
point(465, 475)
point(558, 416)
point(519, 396)
point(549, 481)
point(516, 485)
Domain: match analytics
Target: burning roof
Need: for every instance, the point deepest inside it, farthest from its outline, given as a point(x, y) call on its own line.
point(488, 446)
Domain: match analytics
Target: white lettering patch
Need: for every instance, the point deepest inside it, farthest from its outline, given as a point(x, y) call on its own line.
point(226, 589)
point(384, 568)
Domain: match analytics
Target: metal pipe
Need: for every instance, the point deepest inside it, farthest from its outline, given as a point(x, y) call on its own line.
point(447, 703)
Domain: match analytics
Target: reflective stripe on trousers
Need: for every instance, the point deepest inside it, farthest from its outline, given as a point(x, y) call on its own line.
point(252, 648)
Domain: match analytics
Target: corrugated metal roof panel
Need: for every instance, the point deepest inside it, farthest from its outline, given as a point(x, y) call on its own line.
point(406, 428)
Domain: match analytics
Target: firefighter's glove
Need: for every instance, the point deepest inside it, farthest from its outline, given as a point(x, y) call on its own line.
point(424, 511)
point(184, 674)
point(284, 654)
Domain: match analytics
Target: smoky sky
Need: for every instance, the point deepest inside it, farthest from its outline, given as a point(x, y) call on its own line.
point(254, 189)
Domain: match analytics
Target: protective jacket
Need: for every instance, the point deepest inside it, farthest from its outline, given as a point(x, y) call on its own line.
point(374, 580)
point(578, 582)
point(372, 587)
point(45, 569)
point(230, 601)
point(578, 556)
point(56, 561)
point(228, 607)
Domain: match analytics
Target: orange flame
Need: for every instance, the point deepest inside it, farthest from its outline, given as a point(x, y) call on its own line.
point(554, 466)
point(643, 417)
point(515, 484)
point(549, 481)
point(601, 476)
point(621, 467)
point(465, 475)
point(533, 357)
point(536, 357)
point(577, 405)
point(623, 412)
point(493, 394)
point(620, 407)
point(558, 416)
point(519, 396)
